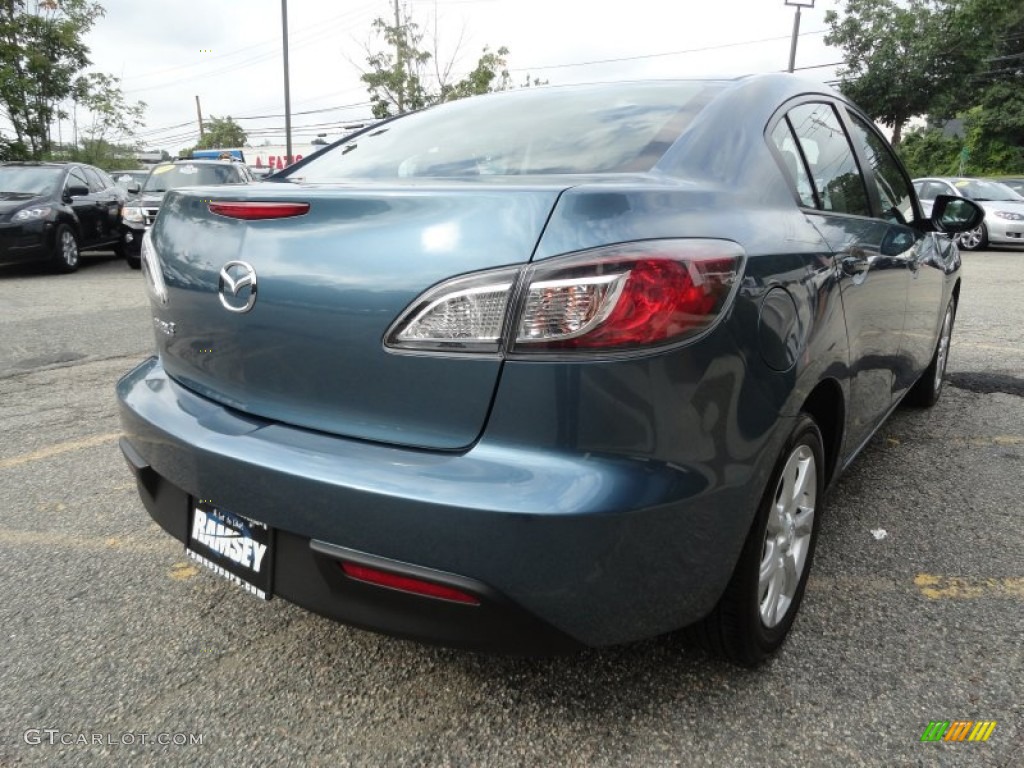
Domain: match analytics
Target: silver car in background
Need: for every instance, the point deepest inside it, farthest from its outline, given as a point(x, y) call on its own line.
point(1004, 209)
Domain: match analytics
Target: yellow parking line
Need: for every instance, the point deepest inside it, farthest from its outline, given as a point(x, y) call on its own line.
point(40, 540)
point(973, 442)
point(957, 588)
point(59, 448)
point(994, 440)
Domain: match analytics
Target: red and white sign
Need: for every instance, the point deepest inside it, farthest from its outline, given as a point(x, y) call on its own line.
point(275, 156)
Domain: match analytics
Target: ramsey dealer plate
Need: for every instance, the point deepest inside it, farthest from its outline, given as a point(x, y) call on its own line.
point(237, 548)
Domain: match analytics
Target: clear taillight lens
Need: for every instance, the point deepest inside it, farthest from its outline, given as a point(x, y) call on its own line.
point(466, 314)
point(621, 297)
point(153, 275)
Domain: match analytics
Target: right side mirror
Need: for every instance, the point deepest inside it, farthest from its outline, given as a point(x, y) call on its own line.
point(951, 214)
point(133, 187)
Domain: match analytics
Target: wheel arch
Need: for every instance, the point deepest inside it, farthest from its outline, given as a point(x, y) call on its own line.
point(826, 405)
point(71, 222)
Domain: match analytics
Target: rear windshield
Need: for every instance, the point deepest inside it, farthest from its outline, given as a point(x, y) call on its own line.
point(165, 177)
point(617, 128)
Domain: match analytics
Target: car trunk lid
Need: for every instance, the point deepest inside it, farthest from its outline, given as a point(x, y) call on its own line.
point(309, 352)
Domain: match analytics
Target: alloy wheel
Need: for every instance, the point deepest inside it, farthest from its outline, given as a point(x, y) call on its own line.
point(788, 536)
point(69, 248)
point(971, 239)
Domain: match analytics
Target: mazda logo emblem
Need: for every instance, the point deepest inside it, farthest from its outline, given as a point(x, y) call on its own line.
point(237, 286)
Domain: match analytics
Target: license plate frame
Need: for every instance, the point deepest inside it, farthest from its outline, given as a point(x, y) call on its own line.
point(233, 546)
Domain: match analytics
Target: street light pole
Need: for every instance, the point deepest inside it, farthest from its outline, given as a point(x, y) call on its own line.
point(287, 89)
point(796, 28)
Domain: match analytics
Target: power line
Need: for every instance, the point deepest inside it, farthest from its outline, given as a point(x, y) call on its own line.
point(665, 53)
point(318, 28)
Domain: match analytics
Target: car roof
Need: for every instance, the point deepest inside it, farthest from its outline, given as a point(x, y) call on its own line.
point(202, 161)
point(43, 163)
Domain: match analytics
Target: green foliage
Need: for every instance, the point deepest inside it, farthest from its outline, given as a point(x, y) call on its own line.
point(398, 80)
point(940, 59)
point(904, 57)
point(993, 151)
point(929, 152)
point(98, 152)
point(42, 52)
point(106, 110)
point(221, 132)
point(395, 79)
point(490, 74)
point(218, 132)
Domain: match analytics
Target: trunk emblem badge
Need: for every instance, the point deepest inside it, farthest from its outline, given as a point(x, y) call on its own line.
point(235, 278)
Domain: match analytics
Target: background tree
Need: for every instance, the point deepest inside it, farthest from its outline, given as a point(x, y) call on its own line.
point(221, 132)
point(490, 74)
point(42, 53)
point(399, 79)
point(395, 79)
point(939, 59)
point(105, 115)
point(218, 132)
point(902, 58)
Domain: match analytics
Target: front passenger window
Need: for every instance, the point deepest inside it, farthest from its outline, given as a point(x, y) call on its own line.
point(834, 169)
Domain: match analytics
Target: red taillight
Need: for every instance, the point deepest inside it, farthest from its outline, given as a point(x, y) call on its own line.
point(253, 210)
point(661, 299)
point(407, 583)
point(616, 298)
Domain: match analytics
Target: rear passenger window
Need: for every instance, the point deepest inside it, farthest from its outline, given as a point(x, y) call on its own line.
point(77, 178)
point(893, 187)
point(785, 142)
point(95, 182)
point(828, 153)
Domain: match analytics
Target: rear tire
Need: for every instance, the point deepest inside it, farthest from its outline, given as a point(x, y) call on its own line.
point(925, 393)
point(65, 250)
point(758, 607)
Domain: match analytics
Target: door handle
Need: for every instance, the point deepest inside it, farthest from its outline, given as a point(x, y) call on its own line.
point(856, 265)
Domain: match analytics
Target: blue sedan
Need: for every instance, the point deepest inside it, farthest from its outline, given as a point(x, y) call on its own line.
point(543, 369)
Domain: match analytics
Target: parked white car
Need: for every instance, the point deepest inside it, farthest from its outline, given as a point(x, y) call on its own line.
point(1004, 209)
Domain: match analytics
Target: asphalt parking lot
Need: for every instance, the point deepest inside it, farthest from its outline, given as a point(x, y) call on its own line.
point(914, 611)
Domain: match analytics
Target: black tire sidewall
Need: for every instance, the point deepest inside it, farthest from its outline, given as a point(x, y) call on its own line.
point(926, 392)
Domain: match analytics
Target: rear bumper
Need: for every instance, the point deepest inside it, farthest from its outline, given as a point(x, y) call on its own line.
point(561, 549)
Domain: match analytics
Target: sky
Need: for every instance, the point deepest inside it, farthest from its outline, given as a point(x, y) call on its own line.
point(229, 52)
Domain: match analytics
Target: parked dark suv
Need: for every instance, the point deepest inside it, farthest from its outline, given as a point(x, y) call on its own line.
point(141, 211)
point(51, 211)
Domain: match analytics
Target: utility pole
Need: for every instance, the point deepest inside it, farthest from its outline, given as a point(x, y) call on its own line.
point(796, 28)
point(199, 114)
point(287, 87)
point(401, 61)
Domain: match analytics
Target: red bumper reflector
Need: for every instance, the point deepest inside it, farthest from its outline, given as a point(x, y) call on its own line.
point(407, 584)
point(259, 210)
